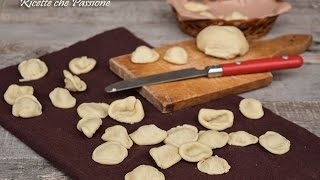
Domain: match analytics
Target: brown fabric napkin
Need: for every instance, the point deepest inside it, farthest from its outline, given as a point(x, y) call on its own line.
point(54, 136)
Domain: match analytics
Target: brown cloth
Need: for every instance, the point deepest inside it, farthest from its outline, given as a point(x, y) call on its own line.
point(54, 136)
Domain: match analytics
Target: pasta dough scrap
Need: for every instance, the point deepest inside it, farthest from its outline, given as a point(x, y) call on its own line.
point(181, 134)
point(195, 6)
point(206, 14)
point(127, 110)
point(214, 139)
point(144, 172)
point(26, 106)
point(148, 135)
point(242, 138)
point(32, 69)
point(236, 16)
point(165, 156)
point(109, 153)
point(93, 110)
point(214, 165)
point(251, 108)
point(82, 65)
point(89, 126)
point(194, 151)
point(215, 119)
point(14, 91)
point(144, 54)
point(118, 134)
point(73, 83)
point(274, 142)
point(176, 55)
point(61, 98)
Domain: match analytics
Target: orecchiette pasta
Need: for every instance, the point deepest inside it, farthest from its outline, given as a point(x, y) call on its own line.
point(81, 65)
point(14, 91)
point(73, 83)
point(61, 98)
point(109, 153)
point(215, 119)
point(26, 106)
point(93, 110)
point(148, 135)
point(118, 134)
point(89, 126)
point(144, 54)
point(32, 69)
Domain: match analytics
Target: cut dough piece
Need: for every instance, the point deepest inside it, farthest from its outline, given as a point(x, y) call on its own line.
point(61, 98)
point(144, 54)
point(89, 126)
point(236, 16)
point(194, 151)
point(127, 110)
point(176, 55)
point(73, 83)
point(195, 6)
point(215, 119)
point(242, 138)
point(144, 172)
point(214, 165)
point(26, 106)
point(14, 91)
point(274, 143)
point(93, 110)
point(109, 153)
point(81, 65)
point(213, 139)
point(165, 156)
point(251, 108)
point(206, 14)
point(32, 69)
point(181, 134)
point(148, 135)
point(118, 134)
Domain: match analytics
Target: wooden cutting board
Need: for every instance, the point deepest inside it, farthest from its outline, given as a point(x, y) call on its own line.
point(168, 97)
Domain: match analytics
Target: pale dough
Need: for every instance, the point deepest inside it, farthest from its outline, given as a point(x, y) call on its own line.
point(32, 69)
point(181, 134)
point(195, 6)
point(165, 156)
point(127, 110)
point(144, 54)
point(242, 138)
point(214, 165)
point(206, 14)
point(194, 151)
point(109, 153)
point(118, 134)
point(61, 98)
point(213, 139)
point(274, 143)
point(215, 119)
point(89, 126)
point(148, 135)
point(144, 172)
point(251, 108)
point(176, 55)
point(73, 83)
point(14, 91)
point(26, 106)
point(236, 16)
point(93, 110)
point(81, 65)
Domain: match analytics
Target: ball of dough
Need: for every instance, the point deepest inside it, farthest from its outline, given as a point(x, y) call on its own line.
point(194, 151)
point(14, 91)
point(215, 119)
point(148, 135)
point(118, 134)
point(165, 156)
point(32, 69)
point(274, 143)
point(176, 55)
point(73, 83)
point(224, 42)
point(214, 165)
point(144, 54)
point(181, 134)
point(89, 126)
point(26, 106)
point(213, 139)
point(236, 16)
point(81, 65)
point(242, 138)
point(93, 110)
point(109, 153)
point(251, 108)
point(195, 6)
point(144, 172)
point(61, 98)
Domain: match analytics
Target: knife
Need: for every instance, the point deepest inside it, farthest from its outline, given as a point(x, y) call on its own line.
point(230, 69)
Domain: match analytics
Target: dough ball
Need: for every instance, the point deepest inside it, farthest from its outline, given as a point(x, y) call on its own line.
point(14, 91)
point(128, 110)
point(165, 156)
point(274, 143)
point(109, 153)
point(214, 139)
point(214, 165)
point(251, 108)
point(176, 55)
point(236, 16)
point(89, 126)
point(195, 6)
point(81, 65)
point(61, 98)
point(181, 134)
point(144, 172)
point(206, 14)
point(118, 134)
point(215, 119)
point(148, 135)
point(32, 69)
point(93, 110)
point(242, 138)
point(194, 151)
point(73, 83)
point(144, 54)
point(26, 106)
point(224, 42)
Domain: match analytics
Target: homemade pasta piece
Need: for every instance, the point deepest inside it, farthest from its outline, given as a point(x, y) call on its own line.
point(89, 126)
point(81, 65)
point(215, 119)
point(148, 135)
point(93, 110)
point(236, 16)
point(206, 14)
point(214, 165)
point(14, 91)
point(165, 156)
point(73, 83)
point(109, 153)
point(61, 98)
point(118, 134)
point(181, 134)
point(242, 138)
point(26, 106)
point(144, 54)
point(195, 6)
point(176, 55)
point(32, 69)
point(274, 143)
point(213, 139)
point(194, 151)
point(251, 108)
point(144, 172)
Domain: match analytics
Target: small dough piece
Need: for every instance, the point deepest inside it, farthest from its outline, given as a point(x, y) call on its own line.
point(118, 134)
point(251, 108)
point(14, 91)
point(26, 106)
point(93, 110)
point(165, 156)
point(127, 110)
point(235, 15)
point(176, 55)
point(144, 54)
point(213, 139)
point(89, 126)
point(242, 138)
point(109, 153)
point(206, 14)
point(195, 6)
point(148, 135)
point(214, 165)
point(144, 172)
point(274, 142)
point(73, 83)
point(181, 134)
point(61, 98)
point(32, 69)
point(81, 65)
point(194, 151)
point(215, 119)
